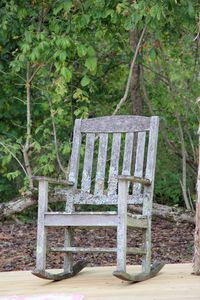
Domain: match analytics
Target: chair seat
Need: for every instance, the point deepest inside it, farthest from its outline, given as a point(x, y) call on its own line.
point(81, 197)
point(92, 219)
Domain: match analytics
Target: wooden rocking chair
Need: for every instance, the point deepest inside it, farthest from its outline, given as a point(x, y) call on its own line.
point(129, 135)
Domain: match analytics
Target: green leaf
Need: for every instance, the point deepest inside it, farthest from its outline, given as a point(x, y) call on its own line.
point(190, 8)
point(85, 80)
point(25, 47)
point(91, 64)
point(154, 10)
point(37, 146)
point(66, 148)
point(152, 54)
point(62, 55)
point(63, 5)
point(91, 51)
point(119, 8)
point(67, 5)
point(67, 74)
point(22, 13)
point(34, 55)
point(77, 94)
point(109, 12)
point(13, 175)
point(28, 36)
point(84, 21)
point(63, 43)
point(82, 50)
point(128, 24)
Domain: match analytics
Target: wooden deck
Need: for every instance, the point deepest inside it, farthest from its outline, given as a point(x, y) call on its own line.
point(173, 282)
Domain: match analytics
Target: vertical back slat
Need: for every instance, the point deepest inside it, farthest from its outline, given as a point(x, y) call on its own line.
point(139, 162)
point(101, 164)
point(114, 164)
point(75, 155)
point(88, 160)
point(128, 151)
point(151, 154)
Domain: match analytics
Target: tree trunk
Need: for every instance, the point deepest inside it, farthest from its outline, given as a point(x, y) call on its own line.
point(136, 99)
point(196, 259)
point(170, 213)
point(19, 204)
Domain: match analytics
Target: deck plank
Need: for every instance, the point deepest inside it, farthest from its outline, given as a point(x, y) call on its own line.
point(173, 282)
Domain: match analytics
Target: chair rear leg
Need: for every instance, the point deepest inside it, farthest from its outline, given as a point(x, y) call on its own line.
point(146, 260)
point(148, 268)
point(68, 257)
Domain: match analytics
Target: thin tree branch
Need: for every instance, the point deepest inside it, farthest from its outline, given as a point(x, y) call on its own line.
point(123, 99)
point(28, 99)
point(34, 73)
point(161, 77)
point(55, 140)
point(26, 147)
point(183, 182)
point(19, 99)
point(192, 145)
point(13, 155)
point(15, 74)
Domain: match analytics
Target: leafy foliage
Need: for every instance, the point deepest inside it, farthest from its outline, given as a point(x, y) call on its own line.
point(78, 55)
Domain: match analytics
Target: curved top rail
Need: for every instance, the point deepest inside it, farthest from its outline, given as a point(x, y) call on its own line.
point(116, 124)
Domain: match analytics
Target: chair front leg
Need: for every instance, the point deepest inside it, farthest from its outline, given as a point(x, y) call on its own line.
point(41, 230)
point(147, 211)
point(122, 225)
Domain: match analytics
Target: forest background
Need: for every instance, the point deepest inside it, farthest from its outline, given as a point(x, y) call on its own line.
point(62, 60)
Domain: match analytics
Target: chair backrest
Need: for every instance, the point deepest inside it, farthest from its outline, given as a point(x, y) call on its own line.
point(132, 151)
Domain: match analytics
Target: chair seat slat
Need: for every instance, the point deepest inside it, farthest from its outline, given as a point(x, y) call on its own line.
point(90, 220)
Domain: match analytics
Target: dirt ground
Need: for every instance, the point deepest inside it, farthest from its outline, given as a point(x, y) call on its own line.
point(171, 243)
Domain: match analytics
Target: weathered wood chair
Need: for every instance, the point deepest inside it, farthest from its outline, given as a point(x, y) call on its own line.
point(129, 134)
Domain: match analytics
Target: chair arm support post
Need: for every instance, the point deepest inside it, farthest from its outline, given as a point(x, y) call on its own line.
point(134, 179)
point(52, 180)
point(41, 230)
point(122, 225)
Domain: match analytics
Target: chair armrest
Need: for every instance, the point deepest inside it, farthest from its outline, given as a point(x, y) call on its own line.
point(52, 180)
point(143, 181)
